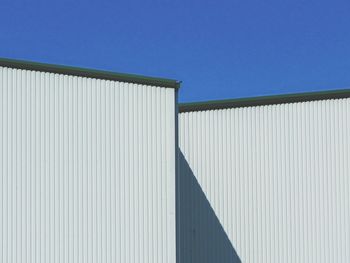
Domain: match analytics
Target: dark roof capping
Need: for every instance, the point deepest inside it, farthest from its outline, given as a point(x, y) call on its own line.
point(264, 100)
point(89, 73)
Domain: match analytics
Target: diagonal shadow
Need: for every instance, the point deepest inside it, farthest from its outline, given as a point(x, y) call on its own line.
point(200, 236)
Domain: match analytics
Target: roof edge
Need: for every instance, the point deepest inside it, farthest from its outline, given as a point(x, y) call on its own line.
point(89, 73)
point(264, 100)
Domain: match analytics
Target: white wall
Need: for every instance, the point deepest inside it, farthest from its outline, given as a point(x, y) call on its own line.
point(87, 170)
point(266, 184)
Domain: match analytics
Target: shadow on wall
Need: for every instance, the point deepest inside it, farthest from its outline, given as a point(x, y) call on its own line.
point(201, 238)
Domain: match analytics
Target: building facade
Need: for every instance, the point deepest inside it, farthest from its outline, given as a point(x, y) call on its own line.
point(92, 170)
point(87, 165)
point(265, 179)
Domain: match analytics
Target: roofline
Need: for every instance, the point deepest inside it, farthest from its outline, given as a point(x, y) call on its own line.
point(89, 73)
point(264, 100)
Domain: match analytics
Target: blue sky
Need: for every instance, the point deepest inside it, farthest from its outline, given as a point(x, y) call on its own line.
point(219, 49)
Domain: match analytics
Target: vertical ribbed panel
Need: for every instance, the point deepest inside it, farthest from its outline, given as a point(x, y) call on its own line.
point(87, 170)
point(271, 183)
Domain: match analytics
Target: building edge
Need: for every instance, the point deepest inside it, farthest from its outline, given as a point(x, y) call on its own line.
point(89, 73)
point(264, 100)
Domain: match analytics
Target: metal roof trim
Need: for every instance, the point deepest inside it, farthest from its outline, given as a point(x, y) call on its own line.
point(89, 73)
point(264, 100)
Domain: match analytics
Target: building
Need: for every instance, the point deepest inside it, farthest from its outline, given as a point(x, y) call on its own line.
point(87, 165)
point(265, 179)
point(92, 170)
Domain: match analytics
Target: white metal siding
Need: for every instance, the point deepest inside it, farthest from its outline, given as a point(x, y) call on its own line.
point(87, 170)
point(269, 182)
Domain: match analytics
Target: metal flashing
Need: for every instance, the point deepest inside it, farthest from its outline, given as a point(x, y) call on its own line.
point(89, 73)
point(264, 100)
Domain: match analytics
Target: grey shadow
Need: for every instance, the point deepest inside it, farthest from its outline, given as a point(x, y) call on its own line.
point(200, 236)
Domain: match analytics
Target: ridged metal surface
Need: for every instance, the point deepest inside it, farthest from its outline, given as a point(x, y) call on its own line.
point(270, 183)
point(87, 170)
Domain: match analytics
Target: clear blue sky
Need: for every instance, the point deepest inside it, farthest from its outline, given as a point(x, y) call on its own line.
point(219, 49)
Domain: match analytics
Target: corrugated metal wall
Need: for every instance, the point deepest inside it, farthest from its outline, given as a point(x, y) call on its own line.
point(270, 183)
point(87, 170)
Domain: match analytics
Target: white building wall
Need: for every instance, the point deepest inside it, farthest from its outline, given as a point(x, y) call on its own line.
point(266, 183)
point(87, 170)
